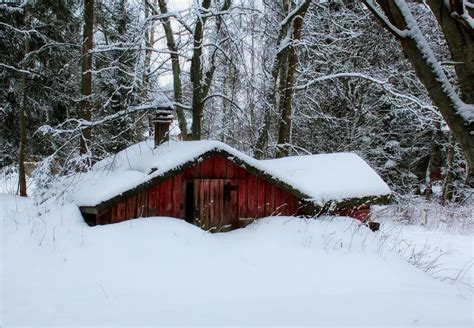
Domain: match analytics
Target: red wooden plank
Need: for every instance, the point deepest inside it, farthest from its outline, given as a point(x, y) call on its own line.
point(279, 201)
point(292, 205)
point(242, 198)
point(251, 196)
point(121, 211)
point(213, 206)
point(234, 202)
point(260, 197)
point(177, 197)
point(205, 204)
point(131, 207)
point(242, 173)
point(183, 198)
point(142, 205)
point(220, 167)
point(153, 200)
point(196, 171)
point(113, 214)
point(197, 201)
point(226, 202)
point(207, 168)
point(220, 205)
point(270, 199)
point(360, 213)
point(232, 170)
point(165, 204)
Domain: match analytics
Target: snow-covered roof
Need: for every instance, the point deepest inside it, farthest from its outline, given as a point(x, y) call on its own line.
point(328, 177)
point(320, 178)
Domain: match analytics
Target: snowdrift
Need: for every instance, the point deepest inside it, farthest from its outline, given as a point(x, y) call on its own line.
point(163, 271)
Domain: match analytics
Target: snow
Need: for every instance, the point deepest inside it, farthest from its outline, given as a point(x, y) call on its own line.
point(451, 253)
point(9, 180)
point(160, 271)
point(328, 177)
point(323, 178)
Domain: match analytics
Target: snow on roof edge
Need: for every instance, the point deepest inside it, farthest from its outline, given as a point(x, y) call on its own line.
point(197, 149)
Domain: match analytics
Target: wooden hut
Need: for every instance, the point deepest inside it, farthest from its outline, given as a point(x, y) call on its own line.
point(218, 188)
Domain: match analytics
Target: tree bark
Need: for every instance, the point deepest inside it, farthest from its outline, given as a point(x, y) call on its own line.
point(434, 164)
point(448, 187)
point(86, 70)
point(196, 72)
point(278, 62)
point(460, 39)
point(149, 42)
point(177, 87)
point(22, 145)
point(202, 82)
point(287, 99)
point(22, 114)
point(430, 75)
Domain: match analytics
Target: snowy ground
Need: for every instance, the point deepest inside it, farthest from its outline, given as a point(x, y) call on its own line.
point(162, 271)
point(437, 239)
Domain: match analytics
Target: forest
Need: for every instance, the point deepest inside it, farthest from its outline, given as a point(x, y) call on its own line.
point(389, 80)
point(236, 163)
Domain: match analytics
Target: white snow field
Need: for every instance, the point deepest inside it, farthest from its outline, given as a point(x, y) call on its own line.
point(55, 270)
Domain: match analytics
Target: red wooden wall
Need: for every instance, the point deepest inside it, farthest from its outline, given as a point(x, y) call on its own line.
point(245, 198)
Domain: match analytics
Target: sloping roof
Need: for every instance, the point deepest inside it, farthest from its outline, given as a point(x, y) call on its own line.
point(328, 177)
point(317, 178)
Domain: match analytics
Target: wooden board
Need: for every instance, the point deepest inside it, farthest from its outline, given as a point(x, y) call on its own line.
point(220, 167)
point(153, 201)
point(216, 203)
point(177, 197)
point(261, 197)
point(252, 196)
point(142, 205)
point(222, 193)
point(131, 207)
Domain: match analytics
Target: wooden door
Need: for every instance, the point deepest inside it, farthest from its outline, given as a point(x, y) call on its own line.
point(215, 204)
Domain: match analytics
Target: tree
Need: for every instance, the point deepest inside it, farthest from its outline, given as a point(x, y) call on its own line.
point(456, 24)
point(38, 41)
point(201, 79)
point(356, 92)
point(86, 76)
point(174, 56)
point(22, 111)
point(287, 76)
point(288, 32)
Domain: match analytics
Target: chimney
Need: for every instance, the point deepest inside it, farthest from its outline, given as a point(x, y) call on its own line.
point(162, 121)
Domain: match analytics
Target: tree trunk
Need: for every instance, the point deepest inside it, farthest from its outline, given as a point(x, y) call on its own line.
point(22, 146)
point(433, 170)
point(278, 61)
point(431, 74)
point(177, 87)
point(287, 99)
point(196, 73)
point(202, 82)
point(460, 40)
point(149, 42)
point(22, 114)
point(449, 178)
point(86, 82)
